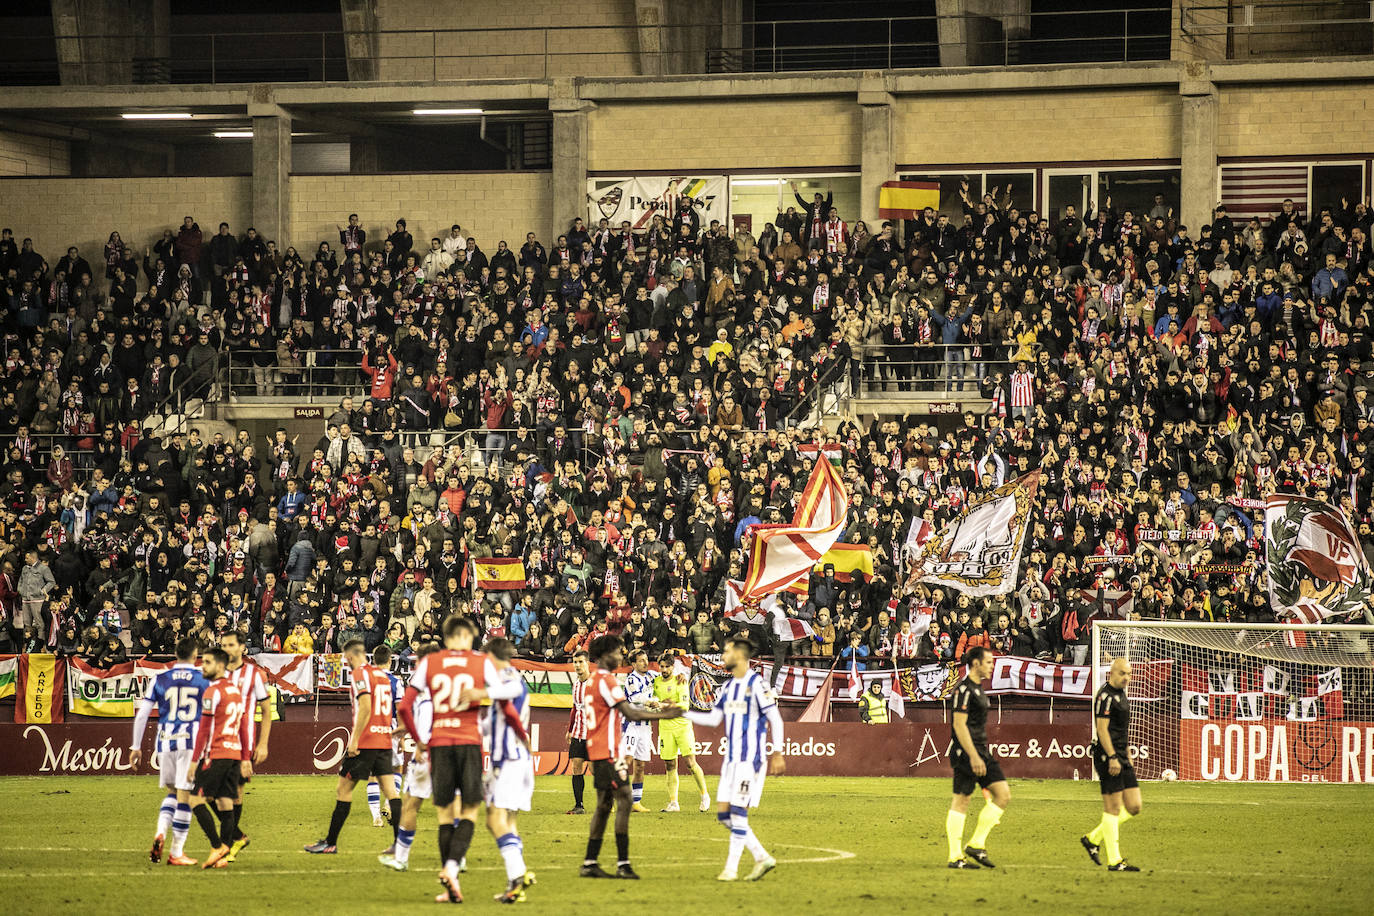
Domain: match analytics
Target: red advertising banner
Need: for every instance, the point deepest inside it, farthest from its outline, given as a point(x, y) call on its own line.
point(1234, 751)
point(1055, 750)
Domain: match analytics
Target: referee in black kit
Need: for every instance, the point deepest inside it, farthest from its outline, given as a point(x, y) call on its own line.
point(1112, 761)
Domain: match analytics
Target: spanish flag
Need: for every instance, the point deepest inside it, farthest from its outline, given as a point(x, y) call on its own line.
point(40, 689)
point(906, 199)
point(848, 559)
point(497, 573)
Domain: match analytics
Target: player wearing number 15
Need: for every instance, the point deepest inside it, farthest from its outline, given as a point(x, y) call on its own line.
point(455, 743)
point(369, 746)
point(1112, 761)
point(175, 693)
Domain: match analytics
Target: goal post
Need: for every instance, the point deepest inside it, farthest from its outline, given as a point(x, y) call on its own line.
point(1245, 702)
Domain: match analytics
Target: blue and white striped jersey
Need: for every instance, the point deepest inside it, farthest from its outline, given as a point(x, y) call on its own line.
point(745, 703)
point(639, 688)
point(176, 693)
point(506, 745)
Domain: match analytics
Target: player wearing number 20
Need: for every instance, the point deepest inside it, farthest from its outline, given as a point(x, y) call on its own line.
point(1112, 761)
point(369, 745)
point(452, 677)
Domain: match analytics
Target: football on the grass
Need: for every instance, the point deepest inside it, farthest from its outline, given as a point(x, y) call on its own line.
point(1168, 776)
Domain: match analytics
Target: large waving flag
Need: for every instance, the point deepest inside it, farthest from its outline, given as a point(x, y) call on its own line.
point(847, 560)
point(755, 612)
point(498, 573)
point(1316, 567)
point(979, 551)
point(782, 554)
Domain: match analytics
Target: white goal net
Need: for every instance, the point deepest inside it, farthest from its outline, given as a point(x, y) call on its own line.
point(1245, 703)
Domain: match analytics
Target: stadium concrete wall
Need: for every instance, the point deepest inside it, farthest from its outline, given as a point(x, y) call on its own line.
point(506, 40)
point(57, 212)
point(490, 205)
point(739, 134)
point(1295, 119)
point(1038, 126)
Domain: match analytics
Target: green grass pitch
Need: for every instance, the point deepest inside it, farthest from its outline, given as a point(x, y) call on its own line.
point(79, 844)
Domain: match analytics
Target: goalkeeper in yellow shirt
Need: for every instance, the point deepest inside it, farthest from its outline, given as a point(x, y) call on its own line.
point(675, 738)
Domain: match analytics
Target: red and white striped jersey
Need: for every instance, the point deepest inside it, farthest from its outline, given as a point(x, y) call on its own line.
point(603, 695)
point(1022, 389)
point(251, 681)
point(222, 724)
point(577, 721)
point(444, 675)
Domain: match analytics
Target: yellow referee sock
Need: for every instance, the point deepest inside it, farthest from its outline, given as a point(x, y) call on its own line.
point(1111, 836)
point(954, 832)
point(1095, 836)
point(987, 819)
point(1123, 816)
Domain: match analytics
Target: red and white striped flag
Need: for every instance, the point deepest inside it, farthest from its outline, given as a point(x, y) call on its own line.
point(785, 553)
point(790, 628)
point(856, 686)
point(1260, 190)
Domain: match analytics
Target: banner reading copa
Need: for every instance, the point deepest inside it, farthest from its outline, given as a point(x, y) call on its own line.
point(640, 199)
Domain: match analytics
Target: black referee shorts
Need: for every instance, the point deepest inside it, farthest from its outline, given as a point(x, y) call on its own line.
point(218, 779)
point(368, 762)
point(577, 748)
point(455, 770)
point(1109, 783)
point(965, 781)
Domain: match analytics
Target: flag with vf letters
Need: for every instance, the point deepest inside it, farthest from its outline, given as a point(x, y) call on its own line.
point(1316, 567)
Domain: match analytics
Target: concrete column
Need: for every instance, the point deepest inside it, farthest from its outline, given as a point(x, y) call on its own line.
point(650, 24)
point(95, 40)
point(570, 116)
point(360, 38)
point(1198, 178)
point(876, 164)
point(271, 168)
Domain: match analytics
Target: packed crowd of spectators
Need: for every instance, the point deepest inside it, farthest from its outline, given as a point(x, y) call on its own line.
point(635, 398)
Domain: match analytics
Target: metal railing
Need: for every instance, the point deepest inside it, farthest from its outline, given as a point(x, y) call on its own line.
point(927, 368)
point(541, 52)
point(323, 377)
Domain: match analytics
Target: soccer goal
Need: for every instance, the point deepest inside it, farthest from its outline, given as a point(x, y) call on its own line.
point(1245, 702)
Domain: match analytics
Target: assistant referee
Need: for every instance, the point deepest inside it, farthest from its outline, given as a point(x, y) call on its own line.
point(1112, 761)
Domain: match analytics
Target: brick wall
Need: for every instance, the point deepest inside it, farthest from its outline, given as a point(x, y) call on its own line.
point(57, 212)
point(512, 43)
point(22, 154)
point(1295, 119)
point(1037, 126)
point(629, 137)
point(491, 205)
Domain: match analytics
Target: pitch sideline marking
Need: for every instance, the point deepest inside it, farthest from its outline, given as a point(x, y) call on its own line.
point(834, 855)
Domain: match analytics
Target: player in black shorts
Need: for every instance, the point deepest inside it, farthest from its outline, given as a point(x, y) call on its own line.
point(973, 765)
point(1111, 760)
point(577, 731)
